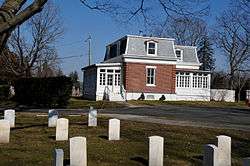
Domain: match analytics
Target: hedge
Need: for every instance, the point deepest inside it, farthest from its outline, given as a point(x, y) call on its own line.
point(51, 92)
point(4, 92)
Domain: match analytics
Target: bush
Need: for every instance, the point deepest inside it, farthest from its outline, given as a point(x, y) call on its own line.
point(142, 97)
point(52, 92)
point(162, 98)
point(4, 92)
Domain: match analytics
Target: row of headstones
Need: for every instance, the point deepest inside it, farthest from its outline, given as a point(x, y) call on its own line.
point(78, 152)
point(62, 125)
point(213, 155)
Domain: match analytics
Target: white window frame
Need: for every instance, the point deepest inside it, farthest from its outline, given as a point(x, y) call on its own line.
point(181, 54)
point(183, 80)
point(156, 48)
point(154, 76)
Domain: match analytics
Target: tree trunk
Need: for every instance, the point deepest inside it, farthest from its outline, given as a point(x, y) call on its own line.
point(11, 16)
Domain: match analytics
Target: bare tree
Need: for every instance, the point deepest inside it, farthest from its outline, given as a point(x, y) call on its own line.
point(14, 13)
point(185, 30)
point(32, 51)
point(148, 11)
point(234, 40)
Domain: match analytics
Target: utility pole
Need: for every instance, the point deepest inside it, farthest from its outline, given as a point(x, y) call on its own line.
point(89, 51)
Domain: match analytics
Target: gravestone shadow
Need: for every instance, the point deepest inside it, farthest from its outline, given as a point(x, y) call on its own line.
point(66, 162)
point(53, 137)
point(140, 159)
point(104, 137)
point(29, 126)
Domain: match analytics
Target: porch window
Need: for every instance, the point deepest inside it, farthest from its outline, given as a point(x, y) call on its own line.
point(102, 77)
point(110, 79)
point(117, 77)
point(200, 80)
point(150, 76)
point(182, 80)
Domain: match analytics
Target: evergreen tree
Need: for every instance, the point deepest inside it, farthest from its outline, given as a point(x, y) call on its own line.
point(205, 54)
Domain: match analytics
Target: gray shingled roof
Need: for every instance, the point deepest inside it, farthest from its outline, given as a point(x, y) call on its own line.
point(189, 53)
point(137, 46)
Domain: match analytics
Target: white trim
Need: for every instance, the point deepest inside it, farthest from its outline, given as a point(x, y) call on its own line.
point(176, 45)
point(126, 51)
point(156, 48)
point(151, 67)
point(148, 37)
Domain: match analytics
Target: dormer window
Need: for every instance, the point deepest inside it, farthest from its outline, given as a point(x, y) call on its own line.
point(151, 48)
point(179, 55)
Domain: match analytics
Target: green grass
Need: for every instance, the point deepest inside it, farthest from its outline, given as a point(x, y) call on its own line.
point(80, 103)
point(216, 104)
point(32, 143)
point(7, 104)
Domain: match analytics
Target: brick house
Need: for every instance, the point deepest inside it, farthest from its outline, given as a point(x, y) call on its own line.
point(153, 66)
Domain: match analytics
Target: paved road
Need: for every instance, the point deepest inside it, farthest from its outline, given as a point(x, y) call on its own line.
point(190, 116)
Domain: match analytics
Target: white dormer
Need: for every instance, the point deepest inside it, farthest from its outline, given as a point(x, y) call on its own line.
point(152, 47)
point(179, 54)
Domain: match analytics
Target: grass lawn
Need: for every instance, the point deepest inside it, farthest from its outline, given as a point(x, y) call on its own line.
point(32, 143)
point(80, 103)
point(216, 104)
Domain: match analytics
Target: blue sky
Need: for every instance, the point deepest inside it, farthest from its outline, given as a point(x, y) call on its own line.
point(79, 22)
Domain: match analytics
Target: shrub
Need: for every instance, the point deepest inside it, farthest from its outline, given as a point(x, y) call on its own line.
point(52, 92)
point(4, 92)
point(162, 98)
point(142, 97)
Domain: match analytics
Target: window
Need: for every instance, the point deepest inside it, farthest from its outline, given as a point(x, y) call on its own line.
point(179, 54)
point(123, 45)
point(182, 80)
point(113, 51)
point(117, 77)
point(102, 77)
point(150, 76)
point(152, 48)
point(110, 79)
point(200, 80)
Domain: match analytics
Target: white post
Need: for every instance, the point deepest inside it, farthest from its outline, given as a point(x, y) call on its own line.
point(246, 161)
point(78, 151)
point(92, 118)
point(62, 129)
point(224, 150)
point(210, 155)
point(52, 118)
point(156, 151)
point(114, 129)
point(4, 131)
point(9, 115)
point(58, 157)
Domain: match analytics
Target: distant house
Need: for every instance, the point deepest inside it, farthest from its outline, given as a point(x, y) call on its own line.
point(153, 66)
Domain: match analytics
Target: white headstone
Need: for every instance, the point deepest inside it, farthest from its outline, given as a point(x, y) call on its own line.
point(62, 129)
point(58, 157)
point(52, 118)
point(156, 151)
point(224, 150)
point(210, 157)
point(114, 129)
point(10, 116)
point(4, 131)
point(246, 161)
point(78, 151)
point(92, 118)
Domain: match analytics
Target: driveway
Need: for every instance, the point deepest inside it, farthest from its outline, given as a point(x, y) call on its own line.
point(177, 115)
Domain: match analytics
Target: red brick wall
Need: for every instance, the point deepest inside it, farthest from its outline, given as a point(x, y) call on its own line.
point(135, 78)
